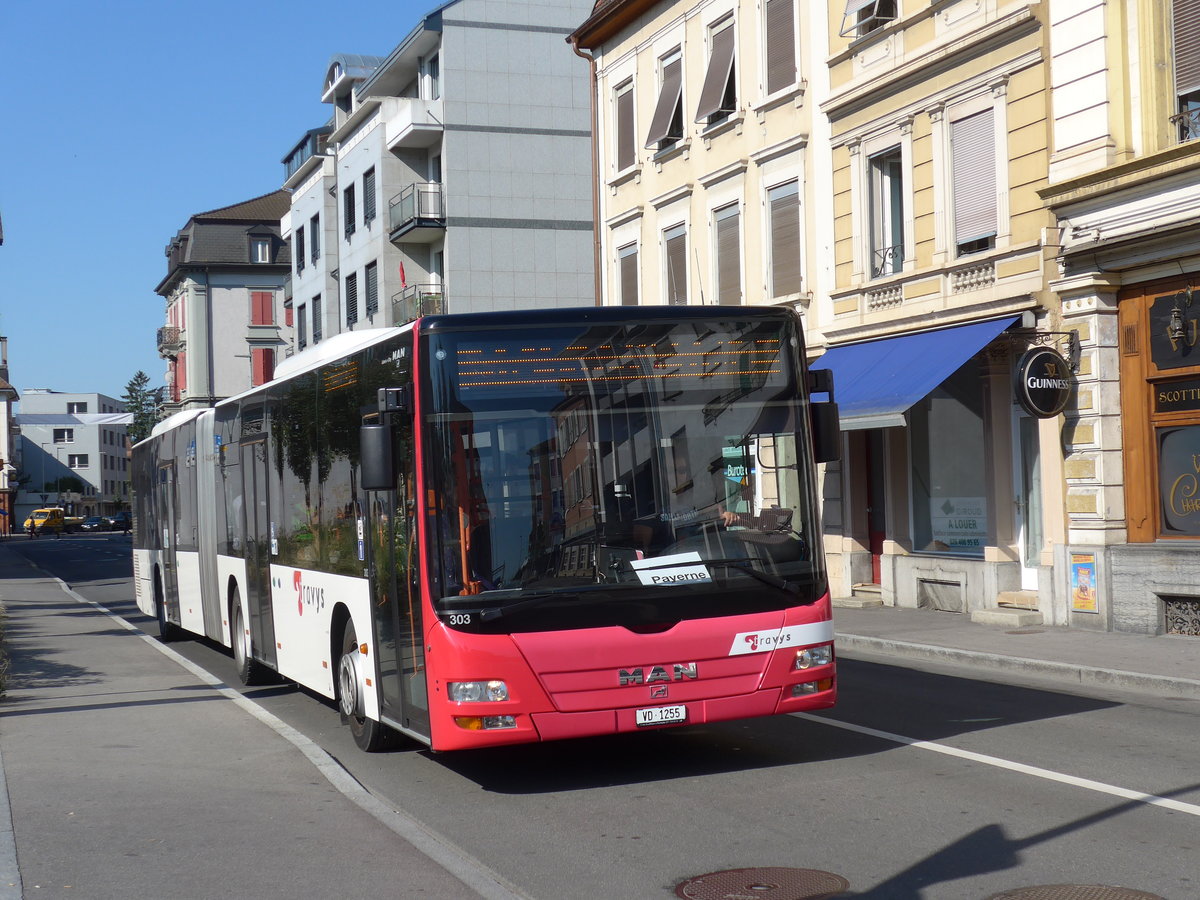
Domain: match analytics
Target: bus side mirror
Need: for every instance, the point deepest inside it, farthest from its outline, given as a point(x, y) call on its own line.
point(375, 452)
point(823, 417)
point(826, 431)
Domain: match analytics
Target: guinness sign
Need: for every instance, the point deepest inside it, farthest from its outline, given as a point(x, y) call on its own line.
point(1044, 382)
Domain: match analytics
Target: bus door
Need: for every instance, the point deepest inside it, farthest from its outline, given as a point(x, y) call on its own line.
point(256, 505)
point(398, 621)
point(165, 506)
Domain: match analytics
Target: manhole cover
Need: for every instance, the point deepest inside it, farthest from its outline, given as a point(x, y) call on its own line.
point(1074, 892)
point(770, 883)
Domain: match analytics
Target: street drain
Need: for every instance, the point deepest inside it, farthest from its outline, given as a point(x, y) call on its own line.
point(1074, 892)
point(1026, 631)
point(770, 883)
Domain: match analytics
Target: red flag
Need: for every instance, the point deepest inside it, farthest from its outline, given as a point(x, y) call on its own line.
point(403, 280)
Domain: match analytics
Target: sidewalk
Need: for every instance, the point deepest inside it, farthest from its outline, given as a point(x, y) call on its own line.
point(129, 776)
point(1166, 666)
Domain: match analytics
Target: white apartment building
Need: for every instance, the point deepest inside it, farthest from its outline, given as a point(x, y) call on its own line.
point(453, 176)
point(74, 453)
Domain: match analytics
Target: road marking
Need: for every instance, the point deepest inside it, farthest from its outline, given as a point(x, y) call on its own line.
point(1050, 775)
point(455, 860)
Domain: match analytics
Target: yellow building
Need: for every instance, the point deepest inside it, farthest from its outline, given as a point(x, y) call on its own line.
point(1125, 188)
point(950, 493)
point(705, 153)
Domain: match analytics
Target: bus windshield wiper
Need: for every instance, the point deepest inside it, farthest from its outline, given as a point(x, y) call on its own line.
point(742, 564)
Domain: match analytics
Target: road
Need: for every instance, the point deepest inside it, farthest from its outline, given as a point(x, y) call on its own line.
point(920, 784)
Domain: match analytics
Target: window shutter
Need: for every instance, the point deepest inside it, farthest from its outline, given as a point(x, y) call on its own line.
point(627, 262)
point(302, 326)
point(720, 68)
point(262, 361)
point(316, 318)
point(729, 268)
point(676, 259)
point(973, 177)
point(372, 289)
point(369, 196)
point(261, 308)
point(785, 239)
point(287, 316)
point(626, 155)
point(300, 249)
point(781, 45)
point(1187, 46)
point(348, 209)
point(352, 298)
point(668, 102)
point(314, 234)
point(180, 374)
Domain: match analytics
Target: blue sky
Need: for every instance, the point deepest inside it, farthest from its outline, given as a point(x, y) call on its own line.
point(121, 120)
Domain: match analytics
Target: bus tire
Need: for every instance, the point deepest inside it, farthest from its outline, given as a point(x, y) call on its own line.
point(249, 670)
point(167, 631)
point(369, 734)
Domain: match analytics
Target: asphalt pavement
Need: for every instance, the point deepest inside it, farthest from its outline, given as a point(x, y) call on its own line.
point(126, 771)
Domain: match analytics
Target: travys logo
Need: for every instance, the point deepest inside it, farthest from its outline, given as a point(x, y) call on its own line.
point(775, 638)
point(307, 595)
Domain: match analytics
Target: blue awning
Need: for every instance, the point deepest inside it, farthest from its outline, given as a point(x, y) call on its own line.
point(876, 382)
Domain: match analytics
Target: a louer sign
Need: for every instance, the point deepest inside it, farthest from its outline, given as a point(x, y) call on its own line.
point(1044, 382)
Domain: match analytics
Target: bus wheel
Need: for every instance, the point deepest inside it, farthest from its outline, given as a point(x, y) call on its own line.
point(167, 631)
point(368, 734)
point(249, 670)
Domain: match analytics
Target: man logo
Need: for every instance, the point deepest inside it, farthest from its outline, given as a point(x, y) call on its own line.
point(657, 674)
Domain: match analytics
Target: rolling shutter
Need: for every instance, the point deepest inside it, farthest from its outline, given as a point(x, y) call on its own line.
point(676, 260)
point(1187, 46)
point(668, 104)
point(626, 155)
point(973, 177)
point(784, 203)
point(781, 45)
point(720, 69)
point(627, 263)
point(729, 260)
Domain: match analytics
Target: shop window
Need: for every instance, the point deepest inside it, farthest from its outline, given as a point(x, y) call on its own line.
point(947, 449)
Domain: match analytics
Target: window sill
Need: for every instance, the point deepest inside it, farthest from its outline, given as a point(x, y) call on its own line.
point(679, 148)
point(732, 123)
point(625, 176)
point(794, 94)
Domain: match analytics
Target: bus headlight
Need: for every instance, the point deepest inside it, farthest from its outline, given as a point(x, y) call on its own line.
point(477, 691)
point(814, 656)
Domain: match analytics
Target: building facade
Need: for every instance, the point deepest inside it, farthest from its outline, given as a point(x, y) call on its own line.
point(226, 321)
point(708, 149)
point(74, 453)
point(1125, 189)
point(453, 175)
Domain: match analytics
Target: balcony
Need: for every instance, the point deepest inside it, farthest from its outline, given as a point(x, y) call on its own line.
point(412, 123)
point(417, 300)
point(169, 342)
point(417, 215)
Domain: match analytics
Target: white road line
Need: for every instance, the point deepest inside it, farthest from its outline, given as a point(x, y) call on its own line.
point(470, 871)
point(1061, 777)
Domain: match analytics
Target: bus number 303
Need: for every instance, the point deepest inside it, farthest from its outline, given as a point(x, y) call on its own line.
point(460, 618)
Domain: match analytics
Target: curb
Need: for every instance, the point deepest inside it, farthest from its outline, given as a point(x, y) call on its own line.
point(1085, 676)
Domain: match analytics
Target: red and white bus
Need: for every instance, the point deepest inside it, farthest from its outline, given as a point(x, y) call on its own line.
point(495, 528)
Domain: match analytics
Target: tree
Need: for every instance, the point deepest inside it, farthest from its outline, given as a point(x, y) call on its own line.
point(139, 401)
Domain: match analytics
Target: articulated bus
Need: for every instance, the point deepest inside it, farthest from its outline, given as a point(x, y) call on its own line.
point(497, 528)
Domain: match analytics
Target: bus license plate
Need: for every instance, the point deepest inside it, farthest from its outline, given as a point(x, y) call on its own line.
point(661, 715)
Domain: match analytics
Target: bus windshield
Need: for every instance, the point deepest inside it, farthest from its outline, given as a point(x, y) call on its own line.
point(610, 473)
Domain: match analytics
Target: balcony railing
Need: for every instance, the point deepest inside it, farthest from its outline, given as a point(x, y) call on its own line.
point(168, 340)
point(887, 260)
point(416, 300)
point(1188, 123)
point(418, 204)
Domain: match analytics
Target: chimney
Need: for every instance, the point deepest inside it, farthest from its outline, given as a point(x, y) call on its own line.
point(3, 357)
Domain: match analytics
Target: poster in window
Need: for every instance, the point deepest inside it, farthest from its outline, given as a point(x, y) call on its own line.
point(1083, 583)
point(1179, 480)
point(958, 523)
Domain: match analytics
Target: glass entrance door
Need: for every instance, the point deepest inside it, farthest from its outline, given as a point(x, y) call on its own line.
point(1028, 482)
